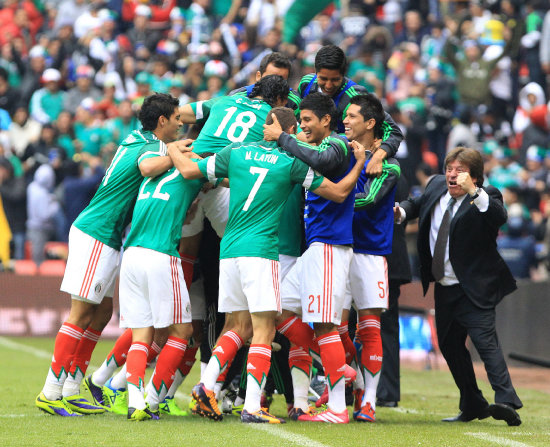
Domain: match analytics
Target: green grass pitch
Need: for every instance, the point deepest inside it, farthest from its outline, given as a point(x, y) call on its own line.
point(427, 396)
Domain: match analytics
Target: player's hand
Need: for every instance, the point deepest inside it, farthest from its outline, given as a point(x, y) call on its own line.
point(181, 145)
point(273, 131)
point(464, 180)
point(191, 212)
point(397, 213)
point(376, 143)
point(359, 151)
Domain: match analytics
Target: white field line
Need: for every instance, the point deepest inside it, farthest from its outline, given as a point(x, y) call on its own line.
point(287, 436)
point(497, 440)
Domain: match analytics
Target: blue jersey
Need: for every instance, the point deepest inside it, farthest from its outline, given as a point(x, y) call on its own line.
point(373, 217)
point(327, 221)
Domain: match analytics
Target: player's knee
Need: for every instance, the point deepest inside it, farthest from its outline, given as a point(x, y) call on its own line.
point(184, 330)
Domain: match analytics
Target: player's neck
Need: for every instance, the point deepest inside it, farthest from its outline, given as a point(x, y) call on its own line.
point(366, 140)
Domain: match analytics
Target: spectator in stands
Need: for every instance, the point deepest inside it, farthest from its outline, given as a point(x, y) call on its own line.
point(530, 96)
point(124, 123)
point(517, 248)
point(413, 30)
point(13, 193)
point(47, 102)
point(84, 88)
point(88, 128)
point(8, 96)
point(143, 39)
point(32, 72)
point(43, 210)
point(23, 131)
point(65, 134)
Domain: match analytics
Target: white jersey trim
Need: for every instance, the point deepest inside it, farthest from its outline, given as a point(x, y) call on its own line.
point(309, 178)
point(211, 168)
point(199, 113)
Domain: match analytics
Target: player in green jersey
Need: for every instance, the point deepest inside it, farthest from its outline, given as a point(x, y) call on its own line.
point(152, 289)
point(261, 177)
point(94, 244)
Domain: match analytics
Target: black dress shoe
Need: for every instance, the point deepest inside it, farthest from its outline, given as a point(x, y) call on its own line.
point(467, 417)
point(386, 403)
point(504, 412)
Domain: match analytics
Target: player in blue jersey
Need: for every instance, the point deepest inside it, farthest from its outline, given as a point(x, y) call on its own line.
point(372, 241)
point(330, 78)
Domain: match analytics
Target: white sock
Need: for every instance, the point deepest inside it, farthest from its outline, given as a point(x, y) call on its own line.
point(118, 382)
point(300, 384)
point(135, 397)
point(52, 391)
point(178, 380)
point(253, 394)
point(371, 384)
point(211, 373)
point(104, 373)
point(337, 396)
point(71, 387)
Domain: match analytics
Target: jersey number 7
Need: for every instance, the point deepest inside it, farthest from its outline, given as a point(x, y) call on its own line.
point(262, 173)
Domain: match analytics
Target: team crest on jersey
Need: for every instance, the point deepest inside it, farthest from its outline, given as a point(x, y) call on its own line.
point(98, 287)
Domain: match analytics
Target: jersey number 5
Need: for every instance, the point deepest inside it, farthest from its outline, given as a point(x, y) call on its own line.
point(262, 173)
point(239, 123)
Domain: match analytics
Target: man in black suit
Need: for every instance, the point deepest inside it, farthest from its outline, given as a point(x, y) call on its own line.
point(458, 226)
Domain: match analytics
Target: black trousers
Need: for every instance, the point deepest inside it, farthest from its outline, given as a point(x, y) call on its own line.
point(457, 317)
point(389, 388)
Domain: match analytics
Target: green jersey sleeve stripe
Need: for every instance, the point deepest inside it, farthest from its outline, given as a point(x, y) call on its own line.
point(162, 151)
point(211, 168)
point(341, 143)
point(375, 187)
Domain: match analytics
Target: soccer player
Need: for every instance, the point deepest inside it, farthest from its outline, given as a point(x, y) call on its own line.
point(152, 288)
point(94, 243)
point(274, 64)
point(330, 78)
point(314, 288)
point(261, 177)
point(372, 240)
point(226, 120)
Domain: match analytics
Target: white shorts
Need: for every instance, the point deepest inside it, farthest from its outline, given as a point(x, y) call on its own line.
point(214, 205)
point(152, 290)
point(198, 301)
point(249, 283)
point(368, 282)
point(317, 283)
point(287, 262)
point(92, 268)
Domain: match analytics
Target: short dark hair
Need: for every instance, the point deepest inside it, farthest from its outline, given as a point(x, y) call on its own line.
point(285, 116)
point(321, 105)
point(471, 158)
point(331, 57)
point(155, 106)
point(271, 88)
point(370, 108)
point(278, 59)
point(4, 74)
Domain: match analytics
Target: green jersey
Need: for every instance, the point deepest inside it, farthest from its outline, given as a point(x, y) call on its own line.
point(230, 119)
point(291, 227)
point(110, 209)
point(160, 210)
point(261, 176)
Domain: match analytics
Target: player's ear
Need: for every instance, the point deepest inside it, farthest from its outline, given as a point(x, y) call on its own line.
point(325, 120)
point(291, 130)
point(258, 76)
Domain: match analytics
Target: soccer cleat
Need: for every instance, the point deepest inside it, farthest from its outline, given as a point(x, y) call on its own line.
point(294, 413)
point(266, 401)
point(323, 399)
point(169, 406)
point(96, 391)
point(261, 416)
point(366, 414)
point(358, 398)
point(56, 407)
point(117, 399)
point(81, 405)
point(193, 406)
point(142, 415)
point(237, 410)
point(207, 406)
point(326, 416)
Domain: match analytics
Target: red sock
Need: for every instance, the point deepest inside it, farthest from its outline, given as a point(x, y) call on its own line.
point(66, 342)
point(332, 356)
point(188, 360)
point(259, 361)
point(153, 352)
point(227, 347)
point(168, 361)
point(120, 349)
point(223, 374)
point(136, 363)
point(187, 265)
point(298, 358)
point(369, 334)
point(349, 347)
point(83, 352)
point(299, 333)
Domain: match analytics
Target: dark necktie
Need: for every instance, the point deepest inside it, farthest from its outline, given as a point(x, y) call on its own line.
point(438, 261)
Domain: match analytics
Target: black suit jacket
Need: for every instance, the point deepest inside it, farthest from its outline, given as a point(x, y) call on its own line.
point(482, 273)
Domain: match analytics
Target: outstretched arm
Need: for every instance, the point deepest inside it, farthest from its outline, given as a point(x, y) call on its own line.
point(338, 192)
point(188, 169)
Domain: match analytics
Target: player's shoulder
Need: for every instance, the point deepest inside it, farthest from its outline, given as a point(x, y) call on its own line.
point(304, 82)
point(354, 89)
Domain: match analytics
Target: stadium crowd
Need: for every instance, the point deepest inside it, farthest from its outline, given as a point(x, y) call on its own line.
point(73, 75)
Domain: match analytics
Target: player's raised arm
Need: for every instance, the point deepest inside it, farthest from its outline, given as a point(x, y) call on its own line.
point(188, 168)
point(338, 192)
point(376, 188)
